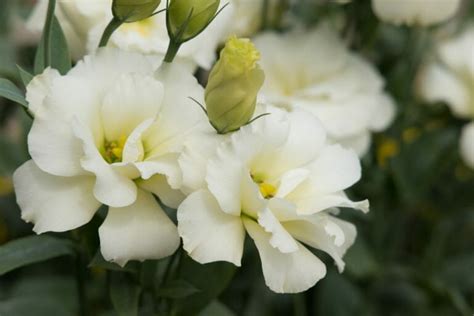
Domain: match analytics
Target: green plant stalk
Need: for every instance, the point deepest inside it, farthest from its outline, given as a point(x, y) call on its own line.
point(113, 25)
point(171, 52)
point(48, 25)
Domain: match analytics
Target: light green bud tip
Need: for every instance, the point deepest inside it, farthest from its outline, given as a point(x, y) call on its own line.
point(234, 82)
point(190, 17)
point(128, 11)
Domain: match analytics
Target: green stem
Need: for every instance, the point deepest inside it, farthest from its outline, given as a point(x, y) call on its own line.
point(265, 5)
point(48, 26)
point(80, 282)
point(109, 30)
point(173, 49)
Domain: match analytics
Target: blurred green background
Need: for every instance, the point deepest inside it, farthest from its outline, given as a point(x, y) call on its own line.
point(414, 254)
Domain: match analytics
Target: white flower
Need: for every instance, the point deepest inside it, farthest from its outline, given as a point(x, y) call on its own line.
point(422, 12)
point(109, 132)
point(450, 78)
point(315, 71)
point(84, 22)
point(467, 144)
point(278, 180)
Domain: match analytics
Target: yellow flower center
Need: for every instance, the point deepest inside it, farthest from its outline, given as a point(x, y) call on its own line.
point(267, 190)
point(142, 27)
point(112, 151)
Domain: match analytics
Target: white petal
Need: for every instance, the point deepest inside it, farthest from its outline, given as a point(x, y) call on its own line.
point(198, 149)
point(280, 238)
point(384, 113)
point(179, 115)
point(133, 99)
point(112, 187)
point(159, 186)
point(360, 143)
point(139, 231)
point(54, 203)
point(335, 169)
point(436, 83)
point(133, 150)
point(467, 144)
point(251, 199)
point(165, 164)
point(53, 146)
point(224, 178)
point(325, 232)
point(208, 233)
point(285, 272)
point(39, 88)
point(290, 180)
point(315, 204)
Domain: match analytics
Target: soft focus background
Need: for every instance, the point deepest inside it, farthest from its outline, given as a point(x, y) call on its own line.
point(414, 254)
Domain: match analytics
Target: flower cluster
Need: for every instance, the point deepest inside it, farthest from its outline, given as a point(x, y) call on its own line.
point(267, 148)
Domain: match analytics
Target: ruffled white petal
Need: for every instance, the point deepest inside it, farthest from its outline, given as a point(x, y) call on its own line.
point(325, 232)
point(467, 144)
point(159, 186)
point(111, 187)
point(285, 272)
point(208, 233)
point(139, 231)
point(39, 88)
point(133, 99)
point(280, 238)
point(53, 203)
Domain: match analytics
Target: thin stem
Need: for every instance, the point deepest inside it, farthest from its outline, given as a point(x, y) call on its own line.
point(80, 278)
point(109, 30)
point(173, 49)
point(48, 26)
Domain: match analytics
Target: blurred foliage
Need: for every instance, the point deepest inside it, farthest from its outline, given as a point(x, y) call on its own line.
point(414, 254)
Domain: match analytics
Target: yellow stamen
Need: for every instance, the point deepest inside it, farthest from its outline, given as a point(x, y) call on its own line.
point(113, 150)
point(267, 190)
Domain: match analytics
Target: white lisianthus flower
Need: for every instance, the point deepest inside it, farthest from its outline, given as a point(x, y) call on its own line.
point(467, 144)
point(279, 180)
point(109, 132)
point(449, 77)
point(410, 12)
point(314, 71)
point(84, 22)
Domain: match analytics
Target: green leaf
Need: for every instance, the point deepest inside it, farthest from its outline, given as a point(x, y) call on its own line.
point(124, 293)
point(60, 57)
point(25, 76)
point(177, 289)
point(211, 279)
point(216, 308)
point(11, 92)
point(32, 249)
point(360, 261)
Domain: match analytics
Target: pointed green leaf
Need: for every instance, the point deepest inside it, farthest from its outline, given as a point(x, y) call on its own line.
point(11, 92)
point(60, 57)
point(124, 293)
point(32, 249)
point(25, 76)
point(177, 289)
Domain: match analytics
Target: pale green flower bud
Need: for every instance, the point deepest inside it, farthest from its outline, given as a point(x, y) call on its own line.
point(231, 92)
point(128, 11)
point(190, 17)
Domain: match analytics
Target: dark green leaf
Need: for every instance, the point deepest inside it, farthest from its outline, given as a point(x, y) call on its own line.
point(211, 279)
point(25, 76)
point(32, 249)
point(124, 293)
point(60, 57)
point(216, 308)
point(177, 289)
point(11, 92)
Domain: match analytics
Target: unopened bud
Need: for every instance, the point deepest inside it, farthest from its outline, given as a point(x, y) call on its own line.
point(128, 11)
point(231, 92)
point(188, 18)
